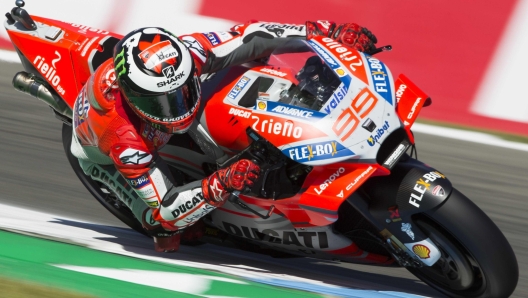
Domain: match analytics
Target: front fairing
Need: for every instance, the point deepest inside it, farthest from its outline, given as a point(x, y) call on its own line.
point(344, 117)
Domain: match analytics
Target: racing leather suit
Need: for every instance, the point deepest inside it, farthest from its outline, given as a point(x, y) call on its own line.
point(116, 148)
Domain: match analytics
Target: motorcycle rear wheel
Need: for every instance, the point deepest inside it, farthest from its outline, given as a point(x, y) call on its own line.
point(477, 260)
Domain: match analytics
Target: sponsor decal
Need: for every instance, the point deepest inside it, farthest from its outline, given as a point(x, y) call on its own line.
point(379, 75)
point(158, 53)
point(168, 72)
point(213, 38)
point(263, 95)
point(318, 240)
point(341, 194)
point(323, 53)
point(153, 204)
point(276, 127)
point(216, 189)
point(400, 91)
point(134, 157)
point(406, 227)
point(413, 109)
point(190, 219)
point(394, 214)
point(85, 29)
point(374, 139)
point(157, 137)
point(438, 191)
point(139, 182)
point(421, 251)
point(49, 71)
point(348, 58)
point(337, 97)
point(240, 113)
point(347, 122)
point(82, 107)
point(285, 110)
point(88, 45)
point(317, 151)
point(369, 125)
point(282, 109)
point(119, 63)
point(340, 72)
point(422, 185)
point(224, 36)
point(359, 178)
point(195, 47)
point(261, 105)
point(110, 180)
point(274, 72)
point(319, 190)
point(110, 79)
point(188, 205)
point(395, 155)
point(239, 86)
point(279, 29)
point(172, 78)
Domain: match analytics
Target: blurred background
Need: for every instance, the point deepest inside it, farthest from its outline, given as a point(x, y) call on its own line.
point(470, 58)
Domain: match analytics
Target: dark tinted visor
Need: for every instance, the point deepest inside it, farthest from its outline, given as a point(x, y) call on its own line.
point(168, 106)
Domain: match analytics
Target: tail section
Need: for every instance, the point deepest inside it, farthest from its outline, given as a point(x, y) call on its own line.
point(63, 55)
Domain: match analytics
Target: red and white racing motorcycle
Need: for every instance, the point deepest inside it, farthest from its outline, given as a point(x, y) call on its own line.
point(336, 181)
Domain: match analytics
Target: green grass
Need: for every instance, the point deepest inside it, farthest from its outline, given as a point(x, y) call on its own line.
point(499, 134)
point(16, 289)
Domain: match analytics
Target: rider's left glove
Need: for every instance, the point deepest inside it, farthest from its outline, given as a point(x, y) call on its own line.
point(349, 34)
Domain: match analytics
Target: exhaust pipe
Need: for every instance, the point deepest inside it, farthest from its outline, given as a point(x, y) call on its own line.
point(26, 83)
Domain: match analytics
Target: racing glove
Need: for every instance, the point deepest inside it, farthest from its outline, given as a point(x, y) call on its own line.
point(239, 176)
point(349, 34)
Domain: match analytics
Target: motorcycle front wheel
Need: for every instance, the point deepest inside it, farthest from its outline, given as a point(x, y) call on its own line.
point(476, 261)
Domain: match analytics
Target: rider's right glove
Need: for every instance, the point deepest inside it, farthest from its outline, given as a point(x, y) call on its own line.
point(239, 176)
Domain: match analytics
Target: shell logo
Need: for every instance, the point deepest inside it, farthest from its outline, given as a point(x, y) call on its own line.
point(261, 105)
point(422, 251)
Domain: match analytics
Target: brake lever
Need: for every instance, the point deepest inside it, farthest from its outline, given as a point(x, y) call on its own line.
point(386, 48)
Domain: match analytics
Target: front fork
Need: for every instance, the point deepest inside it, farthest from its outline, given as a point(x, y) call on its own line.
point(390, 203)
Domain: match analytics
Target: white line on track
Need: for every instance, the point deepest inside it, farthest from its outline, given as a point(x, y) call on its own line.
point(9, 56)
point(470, 136)
point(102, 238)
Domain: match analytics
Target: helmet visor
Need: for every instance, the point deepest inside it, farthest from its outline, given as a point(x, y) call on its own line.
point(167, 107)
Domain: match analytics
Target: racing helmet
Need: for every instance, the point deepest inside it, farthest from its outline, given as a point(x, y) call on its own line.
point(157, 76)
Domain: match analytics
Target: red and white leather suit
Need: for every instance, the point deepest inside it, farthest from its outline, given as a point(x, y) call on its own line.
point(115, 147)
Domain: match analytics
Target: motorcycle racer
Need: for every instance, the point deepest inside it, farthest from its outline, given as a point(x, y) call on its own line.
point(133, 103)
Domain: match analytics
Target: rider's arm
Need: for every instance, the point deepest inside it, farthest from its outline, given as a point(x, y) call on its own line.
point(247, 42)
point(217, 50)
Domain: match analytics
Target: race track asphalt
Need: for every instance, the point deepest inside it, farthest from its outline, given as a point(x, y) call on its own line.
point(35, 174)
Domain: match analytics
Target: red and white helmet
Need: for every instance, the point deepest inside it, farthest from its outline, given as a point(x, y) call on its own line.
point(157, 77)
